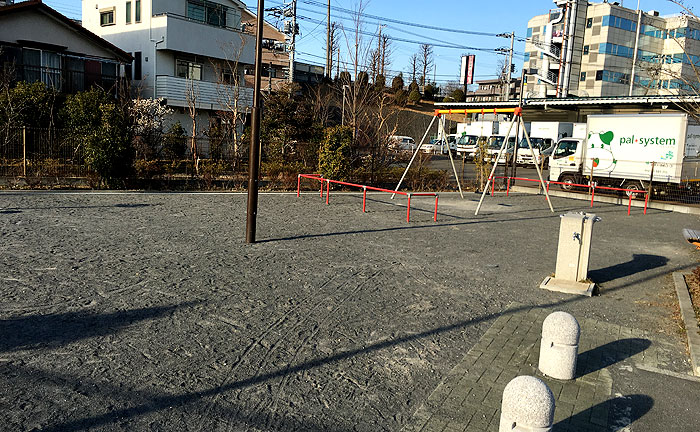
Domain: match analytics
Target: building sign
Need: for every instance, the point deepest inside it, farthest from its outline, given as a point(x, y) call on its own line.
point(467, 71)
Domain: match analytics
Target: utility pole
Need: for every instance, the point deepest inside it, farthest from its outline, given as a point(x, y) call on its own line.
point(329, 54)
point(254, 154)
point(292, 45)
point(510, 64)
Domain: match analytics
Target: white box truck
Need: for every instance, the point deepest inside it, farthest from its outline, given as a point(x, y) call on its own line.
point(620, 150)
point(544, 135)
point(470, 133)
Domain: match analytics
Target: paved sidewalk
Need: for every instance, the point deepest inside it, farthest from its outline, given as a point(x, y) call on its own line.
point(469, 398)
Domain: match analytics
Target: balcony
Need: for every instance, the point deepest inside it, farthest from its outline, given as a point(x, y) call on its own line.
point(209, 95)
point(549, 78)
point(187, 35)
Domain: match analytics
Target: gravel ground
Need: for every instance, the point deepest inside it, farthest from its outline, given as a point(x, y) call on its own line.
point(149, 312)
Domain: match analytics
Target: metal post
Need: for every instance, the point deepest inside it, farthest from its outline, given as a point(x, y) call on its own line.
point(452, 161)
point(254, 158)
point(436, 205)
point(298, 185)
point(364, 199)
point(651, 183)
point(408, 209)
point(539, 171)
point(517, 126)
point(414, 156)
point(510, 63)
point(24, 151)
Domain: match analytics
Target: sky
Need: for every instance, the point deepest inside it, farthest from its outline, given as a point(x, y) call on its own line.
point(454, 16)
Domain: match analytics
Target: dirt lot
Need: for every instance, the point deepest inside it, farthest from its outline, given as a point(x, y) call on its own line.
point(148, 311)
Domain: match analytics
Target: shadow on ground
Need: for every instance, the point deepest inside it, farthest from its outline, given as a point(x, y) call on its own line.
point(42, 331)
point(638, 264)
point(607, 355)
point(620, 413)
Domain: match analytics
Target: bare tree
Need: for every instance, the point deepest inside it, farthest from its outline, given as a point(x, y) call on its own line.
point(335, 46)
point(425, 62)
point(385, 58)
point(192, 95)
point(229, 80)
point(413, 67)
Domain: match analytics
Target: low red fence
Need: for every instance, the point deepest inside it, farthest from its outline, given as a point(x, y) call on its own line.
point(591, 187)
point(364, 192)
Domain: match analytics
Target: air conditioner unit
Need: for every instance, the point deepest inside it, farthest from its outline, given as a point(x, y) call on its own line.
point(653, 13)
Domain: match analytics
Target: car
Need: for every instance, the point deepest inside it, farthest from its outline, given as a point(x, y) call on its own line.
point(434, 146)
point(467, 145)
point(399, 143)
point(451, 144)
point(542, 149)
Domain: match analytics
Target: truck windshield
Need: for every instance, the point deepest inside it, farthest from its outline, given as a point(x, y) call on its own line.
point(565, 148)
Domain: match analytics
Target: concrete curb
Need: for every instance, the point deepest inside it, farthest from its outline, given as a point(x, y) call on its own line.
point(609, 199)
point(692, 330)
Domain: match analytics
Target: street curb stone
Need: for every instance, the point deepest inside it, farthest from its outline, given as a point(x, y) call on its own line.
point(692, 330)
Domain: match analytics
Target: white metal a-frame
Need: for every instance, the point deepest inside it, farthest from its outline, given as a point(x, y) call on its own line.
point(517, 117)
point(441, 132)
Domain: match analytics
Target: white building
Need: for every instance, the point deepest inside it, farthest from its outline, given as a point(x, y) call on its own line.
point(179, 45)
point(598, 49)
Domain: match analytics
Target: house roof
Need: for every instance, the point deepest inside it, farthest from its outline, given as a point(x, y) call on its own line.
point(38, 6)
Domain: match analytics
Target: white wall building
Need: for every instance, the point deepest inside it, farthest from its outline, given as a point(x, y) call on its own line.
point(180, 44)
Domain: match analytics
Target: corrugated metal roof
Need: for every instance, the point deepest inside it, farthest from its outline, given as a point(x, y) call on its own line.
point(640, 100)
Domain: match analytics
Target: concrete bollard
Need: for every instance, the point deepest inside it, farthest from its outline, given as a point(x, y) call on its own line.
point(528, 406)
point(559, 346)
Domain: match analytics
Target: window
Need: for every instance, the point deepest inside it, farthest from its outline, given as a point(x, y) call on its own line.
point(616, 50)
point(565, 148)
point(137, 11)
point(128, 12)
point(589, 23)
point(137, 65)
point(583, 76)
point(107, 17)
point(529, 32)
point(207, 12)
point(189, 70)
point(621, 23)
point(585, 49)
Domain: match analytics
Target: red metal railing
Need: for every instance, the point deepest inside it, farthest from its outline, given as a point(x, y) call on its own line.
point(364, 192)
point(592, 188)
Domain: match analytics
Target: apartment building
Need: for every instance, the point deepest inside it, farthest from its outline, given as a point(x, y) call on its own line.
point(603, 49)
point(189, 52)
point(494, 90)
point(38, 44)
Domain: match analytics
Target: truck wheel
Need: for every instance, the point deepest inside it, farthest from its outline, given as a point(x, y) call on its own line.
point(568, 181)
point(633, 185)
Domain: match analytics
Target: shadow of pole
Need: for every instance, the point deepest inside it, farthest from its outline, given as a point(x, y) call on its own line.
point(614, 415)
point(48, 331)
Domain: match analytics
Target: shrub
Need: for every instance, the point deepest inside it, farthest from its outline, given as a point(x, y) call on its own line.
point(397, 83)
point(413, 87)
point(400, 97)
point(429, 91)
point(175, 142)
point(334, 154)
point(458, 95)
point(414, 97)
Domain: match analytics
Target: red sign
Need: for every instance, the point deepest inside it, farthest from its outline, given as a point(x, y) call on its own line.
point(470, 68)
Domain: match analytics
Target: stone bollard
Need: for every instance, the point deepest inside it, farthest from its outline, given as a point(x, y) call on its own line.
point(528, 405)
point(559, 347)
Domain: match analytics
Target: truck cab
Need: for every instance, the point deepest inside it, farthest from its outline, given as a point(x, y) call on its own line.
point(565, 161)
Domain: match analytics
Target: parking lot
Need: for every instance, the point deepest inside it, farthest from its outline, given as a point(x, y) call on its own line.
point(149, 312)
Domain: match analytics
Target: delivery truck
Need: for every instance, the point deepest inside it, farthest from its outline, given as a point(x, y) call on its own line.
point(623, 150)
point(544, 135)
